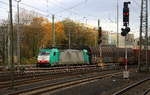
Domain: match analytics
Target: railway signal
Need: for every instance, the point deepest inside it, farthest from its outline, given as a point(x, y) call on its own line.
point(125, 31)
point(126, 14)
point(99, 35)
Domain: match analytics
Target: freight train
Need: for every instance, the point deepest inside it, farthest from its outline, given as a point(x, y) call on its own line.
point(88, 55)
point(117, 55)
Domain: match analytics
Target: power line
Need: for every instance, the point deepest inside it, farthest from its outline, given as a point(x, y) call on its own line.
point(66, 9)
point(76, 5)
point(70, 10)
point(27, 9)
point(4, 8)
point(34, 7)
point(4, 3)
point(136, 3)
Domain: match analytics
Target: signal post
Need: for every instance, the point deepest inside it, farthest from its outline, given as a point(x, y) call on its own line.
point(99, 43)
point(124, 33)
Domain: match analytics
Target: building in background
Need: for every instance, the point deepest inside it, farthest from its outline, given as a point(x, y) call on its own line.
point(110, 39)
point(137, 43)
point(105, 38)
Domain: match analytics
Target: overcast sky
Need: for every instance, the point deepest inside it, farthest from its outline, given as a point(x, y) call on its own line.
point(81, 10)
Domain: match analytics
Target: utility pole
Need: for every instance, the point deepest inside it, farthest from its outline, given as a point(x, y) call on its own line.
point(8, 43)
point(18, 34)
point(69, 35)
point(69, 38)
point(100, 41)
point(117, 24)
point(11, 36)
point(143, 38)
point(53, 31)
point(117, 45)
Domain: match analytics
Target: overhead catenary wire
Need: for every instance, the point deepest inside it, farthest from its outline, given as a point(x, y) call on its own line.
point(137, 4)
point(92, 17)
point(70, 9)
point(27, 5)
point(45, 12)
point(52, 13)
point(77, 16)
point(37, 10)
point(3, 8)
point(66, 10)
point(74, 6)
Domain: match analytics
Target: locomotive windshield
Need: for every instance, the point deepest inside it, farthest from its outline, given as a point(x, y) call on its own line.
point(44, 53)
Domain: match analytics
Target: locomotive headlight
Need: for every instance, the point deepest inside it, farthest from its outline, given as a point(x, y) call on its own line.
point(43, 58)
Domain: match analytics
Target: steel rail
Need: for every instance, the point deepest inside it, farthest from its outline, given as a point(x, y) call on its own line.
point(53, 87)
point(131, 86)
point(146, 92)
point(35, 77)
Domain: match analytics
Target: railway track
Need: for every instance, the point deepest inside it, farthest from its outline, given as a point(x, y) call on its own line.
point(33, 79)
point(138, 88)
point(147, 92)
point(35, 72)
point(38, 90)
point(47, 74)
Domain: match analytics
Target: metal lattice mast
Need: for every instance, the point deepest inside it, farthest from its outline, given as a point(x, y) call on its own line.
point(143, 34)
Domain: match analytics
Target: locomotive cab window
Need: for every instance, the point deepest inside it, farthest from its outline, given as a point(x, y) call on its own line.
point(44, 53)
point(54, 53)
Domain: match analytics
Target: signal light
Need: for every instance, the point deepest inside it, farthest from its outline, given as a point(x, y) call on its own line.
point(126, 13)
point(99, 35)
point(125, 31)
point(99, 32)
point(99, 41)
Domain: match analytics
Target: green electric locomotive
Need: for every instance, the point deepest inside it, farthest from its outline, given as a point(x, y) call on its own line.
point(57, 57)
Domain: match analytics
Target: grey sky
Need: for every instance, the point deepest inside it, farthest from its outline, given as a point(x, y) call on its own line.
point(80, 10)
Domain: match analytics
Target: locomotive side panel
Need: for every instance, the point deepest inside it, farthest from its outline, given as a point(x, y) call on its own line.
point(55, 57)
